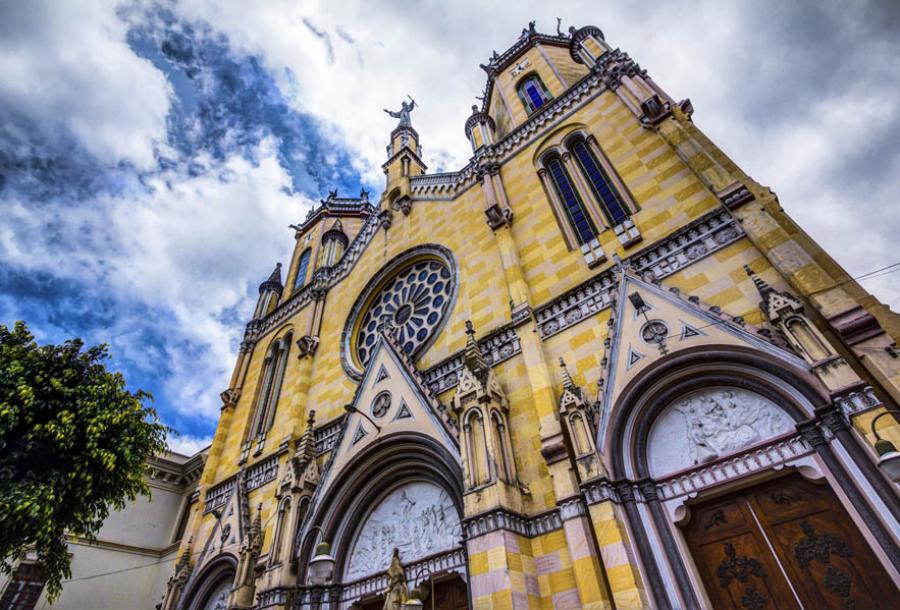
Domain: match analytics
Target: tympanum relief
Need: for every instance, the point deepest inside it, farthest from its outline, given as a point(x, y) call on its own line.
point(711, 424)
point(418, 518)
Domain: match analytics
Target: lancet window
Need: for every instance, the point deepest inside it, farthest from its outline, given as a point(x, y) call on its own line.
point(302, 269)
point(271, 379)
point(571, 202)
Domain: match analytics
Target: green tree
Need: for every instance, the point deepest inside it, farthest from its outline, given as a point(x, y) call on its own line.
point(73, 444)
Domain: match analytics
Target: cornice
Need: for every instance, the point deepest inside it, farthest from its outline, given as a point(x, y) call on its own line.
point(502, 519)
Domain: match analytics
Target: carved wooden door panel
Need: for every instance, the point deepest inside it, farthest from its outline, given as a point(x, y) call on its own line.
point(785, 544)
point(734, 562)
point(449, 595)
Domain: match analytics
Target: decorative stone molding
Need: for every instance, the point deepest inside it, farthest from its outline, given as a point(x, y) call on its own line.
point(735, 467)
point(857, 401)
point(855, 325)
point(307, 345)
point(450, 561)
point(262, 472)
point(697, 240)
point(498, 346)
point(572, 508)
point(498, 217)
point(736, 197)
point(168, 474)
point(328, 434)
point(218, 495)
point(599, 490)
point(613, 65)
point(501, 519)
point(278, 596)
point(230, 397)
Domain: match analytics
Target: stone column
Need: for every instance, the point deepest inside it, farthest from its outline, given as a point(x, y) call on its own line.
point(593, 588)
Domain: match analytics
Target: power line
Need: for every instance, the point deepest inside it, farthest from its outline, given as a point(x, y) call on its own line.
point(865, 276)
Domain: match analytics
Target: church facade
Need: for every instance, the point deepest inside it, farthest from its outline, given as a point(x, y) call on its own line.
point(597, 367)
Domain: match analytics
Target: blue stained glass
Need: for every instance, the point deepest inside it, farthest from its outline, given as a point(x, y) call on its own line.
point(445, 273)
point(438, 301)
point(423, 274)
point(439, 287)
point(408, 347)
point(422, 334)
point(432, 317)
point(370, 340)
point(534, 94)
point(607, 196)
point(578, 218)
point(302, 268)
point(432, 278)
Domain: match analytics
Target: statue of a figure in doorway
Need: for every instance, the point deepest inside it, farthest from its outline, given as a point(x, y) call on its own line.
point(397, 592)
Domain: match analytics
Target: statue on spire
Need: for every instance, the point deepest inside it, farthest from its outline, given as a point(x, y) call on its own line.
point(403, 113)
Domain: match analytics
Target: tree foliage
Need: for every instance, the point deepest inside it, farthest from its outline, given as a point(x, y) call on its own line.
point(73, 444)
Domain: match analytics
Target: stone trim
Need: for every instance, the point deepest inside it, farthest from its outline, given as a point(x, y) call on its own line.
point(735, 467)
point(502, 519)
point(498, 346)
point(857, 401)
point(327, 435)
point(168, 474)
point(218, 495)
point(695, 241)
point(261, 472)
point(449, 561)
point(572, 508)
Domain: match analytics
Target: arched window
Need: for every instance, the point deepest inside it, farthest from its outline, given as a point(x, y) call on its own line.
point(571, 201)
point(807, 339)
point(533, 93)
point(270, 388)
point(607, 196)
point(579, 434)
point(479, 472)
point(281, 532)
point(302, 268)
point(501, 449)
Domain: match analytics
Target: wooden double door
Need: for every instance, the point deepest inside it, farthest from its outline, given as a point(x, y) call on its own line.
point(787, 543)
point(449, 594)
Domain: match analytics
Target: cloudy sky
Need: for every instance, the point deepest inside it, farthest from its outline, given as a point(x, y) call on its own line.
point(152, 154)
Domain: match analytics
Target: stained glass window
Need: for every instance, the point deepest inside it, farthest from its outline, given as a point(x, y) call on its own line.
point(302, 268)
point(606, 194)
point(533, 93)
point(412, 303)
point(575, 211)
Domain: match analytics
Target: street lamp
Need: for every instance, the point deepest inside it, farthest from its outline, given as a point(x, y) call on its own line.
point(414, 601)
point(321, 566)
point(889, 457)
point(351, 409)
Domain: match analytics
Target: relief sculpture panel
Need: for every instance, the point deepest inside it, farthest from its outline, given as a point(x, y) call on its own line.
point(711, 424)
point(417, 518)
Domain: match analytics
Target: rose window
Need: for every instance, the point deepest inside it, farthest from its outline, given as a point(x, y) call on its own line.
point(412, 304)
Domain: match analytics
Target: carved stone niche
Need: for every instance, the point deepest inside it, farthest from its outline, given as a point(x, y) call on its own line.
point(710, 424)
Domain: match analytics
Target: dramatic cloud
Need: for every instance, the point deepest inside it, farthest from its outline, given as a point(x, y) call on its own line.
point(152, 153)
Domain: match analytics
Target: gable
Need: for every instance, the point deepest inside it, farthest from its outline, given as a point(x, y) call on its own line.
point(393, 397)
point(666, 324)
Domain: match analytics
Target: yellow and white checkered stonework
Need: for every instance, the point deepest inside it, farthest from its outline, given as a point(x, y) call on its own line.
point(671, 176)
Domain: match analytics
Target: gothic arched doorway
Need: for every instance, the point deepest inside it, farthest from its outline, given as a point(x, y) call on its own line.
point(785, 543)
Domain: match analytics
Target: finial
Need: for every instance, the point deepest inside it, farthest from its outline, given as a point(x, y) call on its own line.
point(311, 420)
point(567, 379)
point(473, 357)
point(559, 26)
point(364, 194)
point(761, 286)
point(474, 108)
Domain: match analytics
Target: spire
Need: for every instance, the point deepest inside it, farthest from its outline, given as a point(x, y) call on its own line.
point(273, 282)
point(761, 286)
point(568, 384)
point(306, 448)
point(473, 357)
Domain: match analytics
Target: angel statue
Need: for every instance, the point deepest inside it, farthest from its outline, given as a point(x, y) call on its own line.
point(403, 113)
